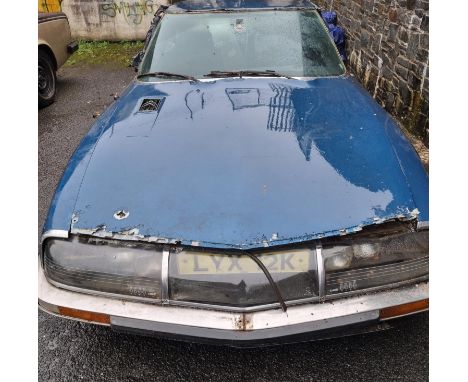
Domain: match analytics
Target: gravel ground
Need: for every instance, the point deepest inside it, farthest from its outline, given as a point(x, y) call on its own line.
point(72, 351)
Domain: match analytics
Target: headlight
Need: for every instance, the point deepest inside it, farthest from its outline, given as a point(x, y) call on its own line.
point(381, 261)
point(354, 263)
point(105, 266)
point(236, 280)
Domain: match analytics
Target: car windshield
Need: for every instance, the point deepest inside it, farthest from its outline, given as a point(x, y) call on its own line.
point(293, 43)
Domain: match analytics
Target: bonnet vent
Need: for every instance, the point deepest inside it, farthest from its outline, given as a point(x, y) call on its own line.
point(150, 104)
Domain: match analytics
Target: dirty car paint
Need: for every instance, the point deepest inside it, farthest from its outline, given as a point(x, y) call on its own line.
point(241, 163)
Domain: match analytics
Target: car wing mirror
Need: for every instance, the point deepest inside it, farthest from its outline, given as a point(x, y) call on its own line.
point(136, 60)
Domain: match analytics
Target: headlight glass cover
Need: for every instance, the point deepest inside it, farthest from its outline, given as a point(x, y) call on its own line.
point(105, 266)
point(233, 279)
point(236, 280)
point(358, 264)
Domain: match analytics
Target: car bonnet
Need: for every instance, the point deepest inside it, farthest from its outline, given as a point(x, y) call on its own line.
point(241, 163)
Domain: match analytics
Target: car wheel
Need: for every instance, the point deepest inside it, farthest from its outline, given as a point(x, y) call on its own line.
point(46, 79)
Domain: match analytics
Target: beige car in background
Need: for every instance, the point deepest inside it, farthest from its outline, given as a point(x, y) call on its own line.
point(55, 46)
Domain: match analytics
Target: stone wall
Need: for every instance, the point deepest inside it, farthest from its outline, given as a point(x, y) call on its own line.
point(388, 50)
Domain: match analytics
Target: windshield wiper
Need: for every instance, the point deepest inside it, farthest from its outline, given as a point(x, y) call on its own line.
point(248, 73)
point(168, 75)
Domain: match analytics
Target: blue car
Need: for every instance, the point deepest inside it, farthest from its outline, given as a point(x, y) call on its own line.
point(243, 190)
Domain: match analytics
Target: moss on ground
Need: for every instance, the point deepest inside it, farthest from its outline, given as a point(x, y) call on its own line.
point(105, 52)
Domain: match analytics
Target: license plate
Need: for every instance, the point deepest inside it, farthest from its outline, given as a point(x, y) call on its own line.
point(192, 263)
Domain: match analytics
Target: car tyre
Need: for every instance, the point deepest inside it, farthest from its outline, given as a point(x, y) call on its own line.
point(46, 79)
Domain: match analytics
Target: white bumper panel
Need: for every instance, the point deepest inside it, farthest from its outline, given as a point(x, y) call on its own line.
point(231, 326)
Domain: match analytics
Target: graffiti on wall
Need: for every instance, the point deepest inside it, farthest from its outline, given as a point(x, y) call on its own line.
point(133, 11)
point(50, 5)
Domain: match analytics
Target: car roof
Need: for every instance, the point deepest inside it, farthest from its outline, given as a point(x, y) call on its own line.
point(238, 5)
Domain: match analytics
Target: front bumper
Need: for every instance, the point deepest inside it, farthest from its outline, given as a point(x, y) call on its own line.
point(300, 323)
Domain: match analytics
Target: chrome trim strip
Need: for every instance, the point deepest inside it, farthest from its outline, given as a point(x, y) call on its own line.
point(423, 225)
point(320, 271)
point(59, 233)
point(256, 308)
point(165, 277)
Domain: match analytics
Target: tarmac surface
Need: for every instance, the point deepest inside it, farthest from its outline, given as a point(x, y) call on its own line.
point(73, 351)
